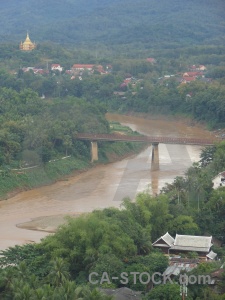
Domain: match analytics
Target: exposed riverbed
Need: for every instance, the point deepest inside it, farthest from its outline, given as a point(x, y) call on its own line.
point(102, 186)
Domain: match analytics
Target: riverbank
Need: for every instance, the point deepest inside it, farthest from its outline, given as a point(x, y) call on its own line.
point(185, 119)
point(13, 182)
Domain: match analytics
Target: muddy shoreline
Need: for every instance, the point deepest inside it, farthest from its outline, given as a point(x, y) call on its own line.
point(111, 159)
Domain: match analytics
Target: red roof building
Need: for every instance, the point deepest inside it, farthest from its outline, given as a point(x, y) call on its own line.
point(55, 67)
point(82, 67)
point(188, 79)
point(192, 74)
point(151, 60)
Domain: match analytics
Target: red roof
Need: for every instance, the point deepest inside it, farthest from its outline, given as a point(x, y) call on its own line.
point(82, 66)
point(40, 71)
point(189, 78)
point(192, 74)
point(55, 65)
point(150, 59)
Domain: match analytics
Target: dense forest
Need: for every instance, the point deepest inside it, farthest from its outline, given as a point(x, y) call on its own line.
point(144, 24)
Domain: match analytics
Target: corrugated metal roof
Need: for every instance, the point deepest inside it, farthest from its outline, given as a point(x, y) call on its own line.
point(192, 243)
point(123, 294)
point(175, 268)
point(211, 255)
point(195, 249)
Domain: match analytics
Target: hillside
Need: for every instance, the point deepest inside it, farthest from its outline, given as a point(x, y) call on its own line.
point(145, 23)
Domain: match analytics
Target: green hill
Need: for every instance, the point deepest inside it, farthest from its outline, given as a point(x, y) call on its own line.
point(149, 23)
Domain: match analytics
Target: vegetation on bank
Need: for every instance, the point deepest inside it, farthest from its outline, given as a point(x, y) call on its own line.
point(35, 136)
point(15, 180)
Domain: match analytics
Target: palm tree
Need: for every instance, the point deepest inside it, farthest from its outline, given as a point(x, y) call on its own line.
point(179, 186)
point(40, 294)
point(59, 272)
point(43, 293)
point(144, 243)
point(7, 277)
point(24, 292)
point(22, 271)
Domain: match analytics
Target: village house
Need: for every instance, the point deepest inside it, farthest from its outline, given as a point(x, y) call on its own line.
point(27, 69)
point(35, 70)
point(195, 68)
point(184, 244)
point(79, 68)
point(219, 180)
point(40, 71)
point(164, 243)
point(151, 60)
point(82, 67)
point(56, 67)
point(188, 79)
point(193, 74)
point(178, 265)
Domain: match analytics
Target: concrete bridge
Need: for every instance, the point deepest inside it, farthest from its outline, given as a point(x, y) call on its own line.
point(154, 140)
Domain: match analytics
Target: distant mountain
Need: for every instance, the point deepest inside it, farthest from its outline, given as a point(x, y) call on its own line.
point(152, 23)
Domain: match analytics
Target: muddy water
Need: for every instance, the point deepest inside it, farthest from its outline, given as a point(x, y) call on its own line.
point(102, 186)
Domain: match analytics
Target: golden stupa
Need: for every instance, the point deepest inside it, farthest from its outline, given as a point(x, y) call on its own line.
point(27, 45)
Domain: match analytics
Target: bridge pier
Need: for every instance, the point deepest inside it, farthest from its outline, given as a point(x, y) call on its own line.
point(94, 151)
point(155, 157)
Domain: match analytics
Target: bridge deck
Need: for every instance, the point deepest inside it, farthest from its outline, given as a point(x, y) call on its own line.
point(146, 139)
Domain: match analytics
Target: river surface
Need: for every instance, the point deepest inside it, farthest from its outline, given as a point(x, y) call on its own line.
point(105, 185)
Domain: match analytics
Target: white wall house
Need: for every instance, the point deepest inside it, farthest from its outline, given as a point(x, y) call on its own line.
point(219, 180)
point(55, 67)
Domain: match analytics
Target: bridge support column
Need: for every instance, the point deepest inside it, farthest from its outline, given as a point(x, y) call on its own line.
point(94, 151)
point(155, 157)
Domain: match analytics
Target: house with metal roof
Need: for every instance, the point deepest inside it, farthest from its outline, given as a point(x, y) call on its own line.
point(178, 265)
point(191, 243)
point(123, 293)
point(164, 243)
point(183, 244)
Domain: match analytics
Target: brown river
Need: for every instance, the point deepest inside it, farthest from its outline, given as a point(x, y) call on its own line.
point(103, 186)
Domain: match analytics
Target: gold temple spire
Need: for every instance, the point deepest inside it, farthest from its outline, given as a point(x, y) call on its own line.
point(27, 45)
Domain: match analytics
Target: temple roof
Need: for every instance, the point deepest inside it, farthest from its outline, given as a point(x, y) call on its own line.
point(167, 238)
point(192, 243)
point(27, 44)
point(27, 40)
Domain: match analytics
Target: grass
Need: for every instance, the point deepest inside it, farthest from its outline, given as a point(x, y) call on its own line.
point(117, 127)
